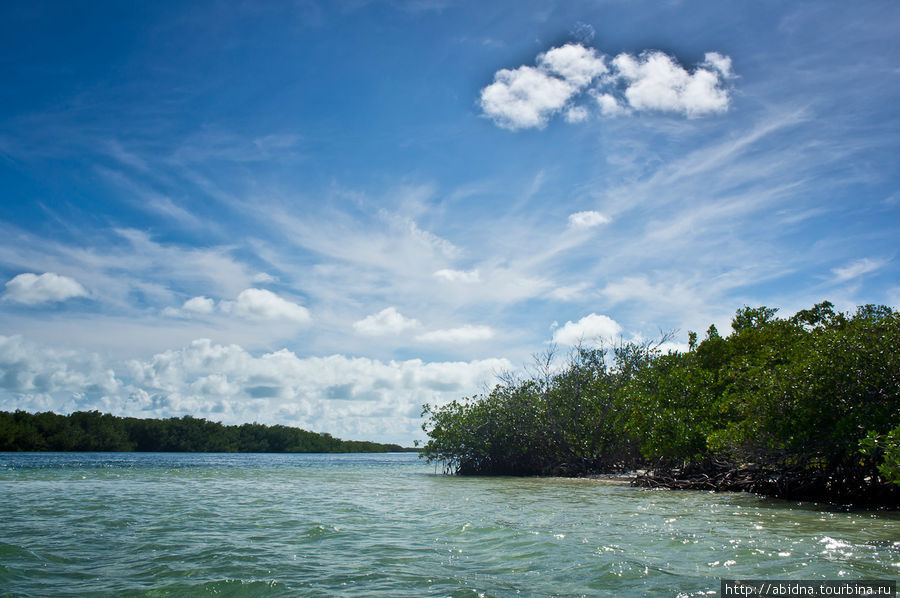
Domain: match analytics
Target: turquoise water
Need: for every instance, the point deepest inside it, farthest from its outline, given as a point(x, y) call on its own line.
point(386, 525)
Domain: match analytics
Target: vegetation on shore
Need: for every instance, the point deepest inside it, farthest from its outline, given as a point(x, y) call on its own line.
point(806, 407)
point(94, 431)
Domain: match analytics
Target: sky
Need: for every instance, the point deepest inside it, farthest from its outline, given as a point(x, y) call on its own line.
point(326, 214)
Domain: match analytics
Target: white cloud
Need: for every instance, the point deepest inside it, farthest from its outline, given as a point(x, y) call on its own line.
point(528, 96)
point(463, 334)
point(609, 105)
point(263, 278)
point(857, 269)
point(524, 97)
point(577, 114)
point(590, 329)
point(656, 82)
point(387, 321)
point(575, 63)
point(673, 347)
point(588, 219)
point(349, 397)
point(32, 289)
point(720, 63)
point(335, 393)
point(250, 304)
point(457, 276)
point(29, 368)
point(199, 305)
point(260, 304)
point(570, 292)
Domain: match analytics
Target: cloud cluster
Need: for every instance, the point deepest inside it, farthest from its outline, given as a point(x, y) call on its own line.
point(33, 289)
point(526, 97)
point(260, 304)
point(389, 321)
point(30, 368)
point(350, 397)
point(654, 81)
point(250, 304)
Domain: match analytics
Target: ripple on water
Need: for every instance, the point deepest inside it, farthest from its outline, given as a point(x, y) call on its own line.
point(170, 525)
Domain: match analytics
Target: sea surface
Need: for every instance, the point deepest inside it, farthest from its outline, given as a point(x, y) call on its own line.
point(132, 524)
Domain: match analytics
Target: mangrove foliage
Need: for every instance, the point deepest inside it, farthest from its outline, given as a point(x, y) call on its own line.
point(95, 431)
point(800, 407)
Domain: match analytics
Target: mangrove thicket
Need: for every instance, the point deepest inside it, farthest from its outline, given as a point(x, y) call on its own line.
point(95, 431)
point(804, 407)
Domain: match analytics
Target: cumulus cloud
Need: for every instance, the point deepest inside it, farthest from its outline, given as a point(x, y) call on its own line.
point(587, 219)
point(334, 393)
point(720, 63)
point(251, 304)
point(463, 334)
point(577, 114)
point(524, 97)
point(655, 81)
point(574, 63)
point(527, 97)
point(349, 397)
point(590, 329)
point(457, 275)
point(260, 304)
point(30, 368)
point(609, 105)
point(387, 321)
point(32, 289)
point(199, 305)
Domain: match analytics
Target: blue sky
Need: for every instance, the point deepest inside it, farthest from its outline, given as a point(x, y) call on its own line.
point(325, 214)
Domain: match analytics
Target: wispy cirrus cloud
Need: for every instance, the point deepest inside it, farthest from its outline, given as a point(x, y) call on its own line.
point(461, 335)
point(463, 276)
point(857, 268)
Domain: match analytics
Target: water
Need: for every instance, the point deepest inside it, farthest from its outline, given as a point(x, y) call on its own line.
point(386, 525)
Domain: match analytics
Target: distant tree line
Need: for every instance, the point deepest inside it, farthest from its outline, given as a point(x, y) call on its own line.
point(95, 431)
point(804, 407)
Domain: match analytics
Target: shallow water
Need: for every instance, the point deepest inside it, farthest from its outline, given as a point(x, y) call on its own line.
point(131, 524)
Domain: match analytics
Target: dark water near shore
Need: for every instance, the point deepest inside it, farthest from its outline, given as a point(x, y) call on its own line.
point(385, 525)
